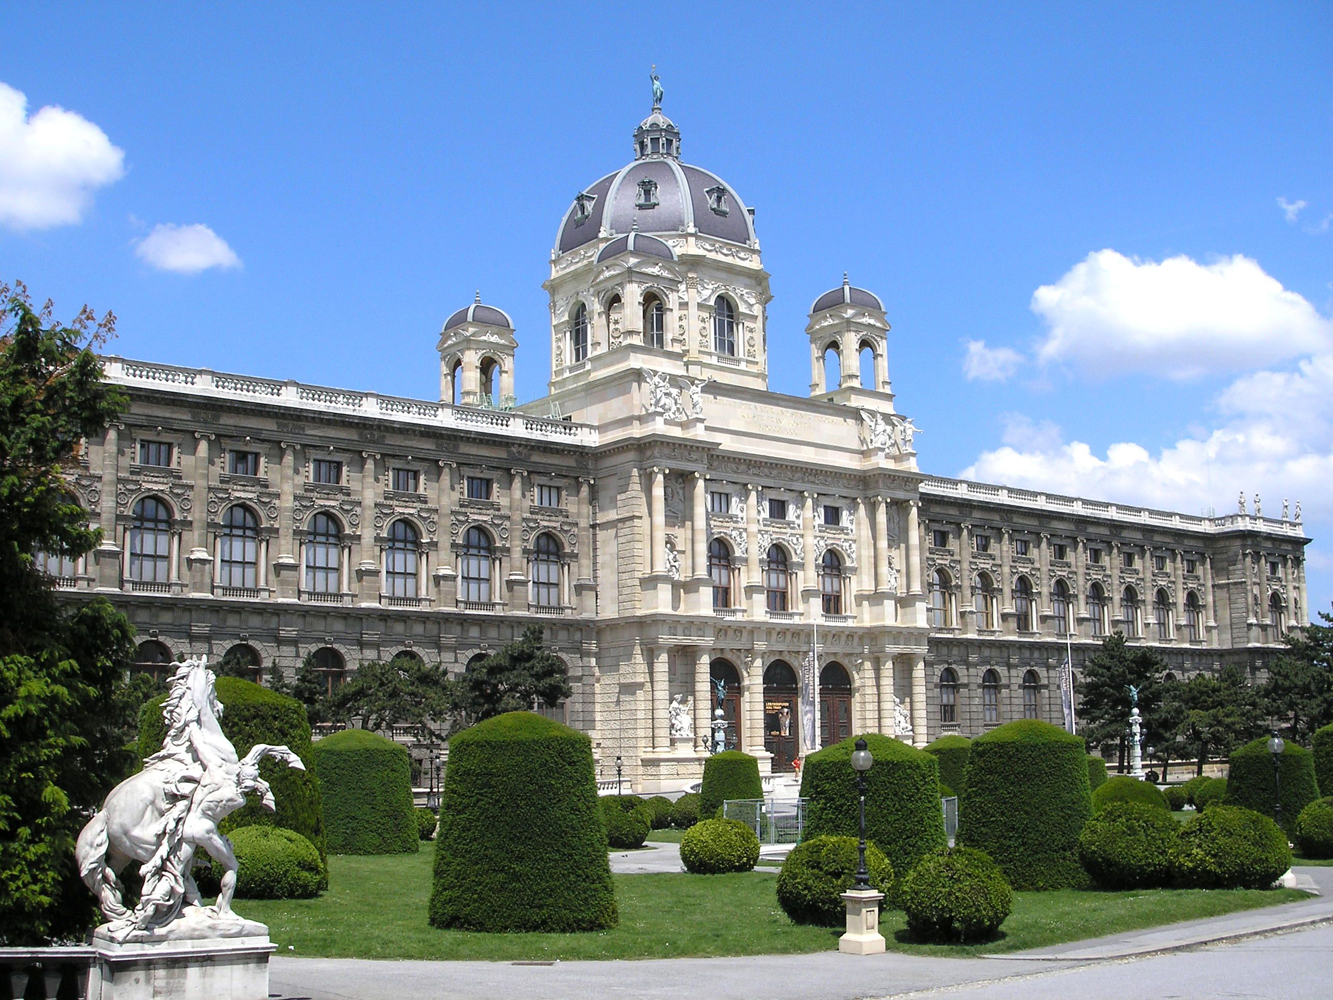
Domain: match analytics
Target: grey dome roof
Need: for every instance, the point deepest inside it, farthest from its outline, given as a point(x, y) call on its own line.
point(639, 243)
point(478, 313)
point(847, 294)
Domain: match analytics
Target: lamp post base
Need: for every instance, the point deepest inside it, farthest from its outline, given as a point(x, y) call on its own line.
point(863, 936)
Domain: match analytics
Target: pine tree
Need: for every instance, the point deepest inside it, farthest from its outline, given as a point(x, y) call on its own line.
point(1104, 695)
point(521, 676)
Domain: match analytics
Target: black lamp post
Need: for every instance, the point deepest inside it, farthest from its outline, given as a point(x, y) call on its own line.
point(617, 775)
point(1275, 746)
point(861, 761)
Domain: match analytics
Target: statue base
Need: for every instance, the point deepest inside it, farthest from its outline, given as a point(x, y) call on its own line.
point(193, 958)
point(863, 936)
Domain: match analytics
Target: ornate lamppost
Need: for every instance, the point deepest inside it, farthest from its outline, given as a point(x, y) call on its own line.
point(1276, 745)
point(617, 774)
point(863, 936)
point(861, 761)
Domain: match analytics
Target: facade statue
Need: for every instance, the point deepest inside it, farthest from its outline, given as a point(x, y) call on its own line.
point(657, 90)
point(694, 387)
point(1286, 509)
point(679, 720)
point(672, 560)
point(1240, 503)
point(1258, 506)
point(1298, 510)
point(902, 719)
point(906, 430)
point(877, 432)
point(162, 815)
point(663, 397)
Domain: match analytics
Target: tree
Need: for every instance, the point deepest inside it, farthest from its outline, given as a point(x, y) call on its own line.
point(521, 676)
point(1105, 702)
point(404, 691)
point(1299, 689)
point(66, 712)
point(310, 690)
point(1215, 714)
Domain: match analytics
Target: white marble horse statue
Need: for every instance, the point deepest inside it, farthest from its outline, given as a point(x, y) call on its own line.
point(160, 816)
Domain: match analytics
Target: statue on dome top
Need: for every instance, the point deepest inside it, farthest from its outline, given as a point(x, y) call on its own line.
point(657, 89)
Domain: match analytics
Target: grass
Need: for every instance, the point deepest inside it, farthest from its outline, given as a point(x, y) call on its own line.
point(666, 836)
point(376, 908)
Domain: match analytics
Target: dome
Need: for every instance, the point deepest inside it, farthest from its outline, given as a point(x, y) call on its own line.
point(847, 294)
point(478, 313)
point(639, 243)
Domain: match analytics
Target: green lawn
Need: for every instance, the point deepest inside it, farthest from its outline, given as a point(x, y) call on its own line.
point(376, 908)
point(666, 836)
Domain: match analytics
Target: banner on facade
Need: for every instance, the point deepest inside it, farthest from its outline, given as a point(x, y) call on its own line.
point(809, 694)
point(1067, 694)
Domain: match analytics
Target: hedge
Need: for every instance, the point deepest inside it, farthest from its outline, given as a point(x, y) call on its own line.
point(1227, 847)
point(1250, 783)
point(627, 819)
point(366, 781)
point(1314, 829)
point(660, 807)
point(957, 896)
point(1176, 797)
point(1123, 788)
point(254, 714)
point(1026, 802)
point(1321, 745)
point(819, 870)
point(427, 821)
point(1193, 785)
point(952, 752)
point(1096, 772)
point(903, 815)
point(685, 811)
point(728, 775)
point(1129, 845)
point(715, 846)
point(1209, 792)
point(521, 846)
point(274, 863)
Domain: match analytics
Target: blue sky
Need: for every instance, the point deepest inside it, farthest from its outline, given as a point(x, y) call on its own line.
point(1161, 173)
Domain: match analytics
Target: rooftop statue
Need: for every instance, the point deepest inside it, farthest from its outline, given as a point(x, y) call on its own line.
point(162, 815)
point(657, 90)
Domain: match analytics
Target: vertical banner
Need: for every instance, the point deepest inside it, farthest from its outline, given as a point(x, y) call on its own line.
point(809, 696)
point(1067, 694)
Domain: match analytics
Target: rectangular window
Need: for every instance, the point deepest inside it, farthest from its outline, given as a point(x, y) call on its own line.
point(403, 480)
point(1127, 560)
point(832, 514)
point(548, 496)
point(1095, 556)
point(1159, 563)
point(243, 463)
point(326, 471)
point(939, 538)
point(777, 510)
point(981, 543)
point(719, 502)
point(1274, 568)
point(1191, 565)
point(1020, 546)
point(1060, 550)
point(478, 488)
point(155, 453)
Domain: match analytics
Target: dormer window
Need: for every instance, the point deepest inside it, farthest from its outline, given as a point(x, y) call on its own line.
point(583, 203)
point(647, 193)
point(717, 200)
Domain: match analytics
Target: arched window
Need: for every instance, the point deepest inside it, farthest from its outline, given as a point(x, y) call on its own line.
point(150, 542)
point(1277, 613)
point(983, 600)
point(238, 549)
point(1060, 607)
point(724, 326)
point(1193, 618)
point(832, 367)
point(330, 666)
point(1097, 609)
point(241, 660)
point(546, 571)
point(456, 382)
point(725, 671)
point(941, 599)
point(777, 579)
point(1168, 678)
point(1129, 611)
point(1031, 695)
point(990, 697)
point(578, 334)
point(866, 357)
point(948, 697)
point(719, 568)
point(62, 567)
point(1161, 610)
point(153, 658)
point(654, 322)
point(830, 582)
point(401, 554)
point(488, 368)
point(1023, 604)
point(475, 572)
point(323, 556)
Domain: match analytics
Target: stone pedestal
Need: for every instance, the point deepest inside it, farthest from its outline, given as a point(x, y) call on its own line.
point(189, 962)
point(863, 936)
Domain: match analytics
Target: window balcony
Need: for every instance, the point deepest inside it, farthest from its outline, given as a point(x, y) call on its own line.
point(838, 619)
point(729, 612)
point(487, 606)
point(318, 597)
point(404, 602)
point(556, 610)
point(784, 616)
point(246, 593)
point(147, 587)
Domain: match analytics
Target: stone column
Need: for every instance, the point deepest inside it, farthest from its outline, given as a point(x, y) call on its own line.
point(966, 616)
point(919, 737)
point(1006, 581)
point(516, 585)
point(865, 715)
point(1249, 587)
point(884, 683)
point(1080, 581)
point(699, 527)
point(817, 374)
point(1211, 622)
point(808, 542)
point(865, 550)
point(657, 671)
point(657, 521)
point(703, 690)
point(1113, 598)
point(106, 557)
point(368, 568)
point(1044, 586)
point(752, 713)
point(752, 576)
point(1178, 576)
point(584, 586)
point(287, 566)
point(914, 546)
point(881, 545)
point(691, 345)
point(200, 559)
point(1146, 599)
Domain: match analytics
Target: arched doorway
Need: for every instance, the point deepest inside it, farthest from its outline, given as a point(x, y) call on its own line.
point(781, 715)
point(722, 670)
point(835, 705)
point(154, 659)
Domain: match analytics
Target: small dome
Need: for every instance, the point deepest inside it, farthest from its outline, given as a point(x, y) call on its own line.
point(478, 313)
point(639, 243)
point(847, 294)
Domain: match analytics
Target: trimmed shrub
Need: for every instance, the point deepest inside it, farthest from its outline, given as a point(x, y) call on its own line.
point(1250, 783)
point(819, 870)
point(521, 846)
point(660, 807)
point(1128, 845)
point(903, 815)
point(1227, 847)
point(627, 818)
point(1026, 802)
point(254, 714)
point(1096, 772)
point(715, 846)
point(952, 752)
point(1209, 792)
point(728, 775)
point(957, 895)
point(1314, 829)
point(1321, 746)
point(275, 863)
point(685, 811)
point(1123, 788)
point(946, 792)
point(427, 821)
point(1193, 785)
point(1175, 796)
point(366, 782)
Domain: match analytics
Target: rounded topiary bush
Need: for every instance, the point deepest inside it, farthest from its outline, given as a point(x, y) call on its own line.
point(1321, 747)
point(660, 807)
point(952, 752)
point(1314, 829)
point(1096, 772)
point(957, 895)
point(1226, 847)
point(714, 846)
point(627, 818)
point(274, 863)
point(521, 846)
point(1253, 780)
point(903, 815)
point(1128, 845)
point(1176, 797)
point(1026, 802)
point(685, 811)
point(1193, 785)
point(1123, 788)
point(1209, 792)
point(366, 782)
point(427, 821)
point(728, 775)
point(819, 870)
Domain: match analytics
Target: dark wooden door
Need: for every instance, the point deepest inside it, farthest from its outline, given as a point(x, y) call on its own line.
point(835, 717)
point(781, 723)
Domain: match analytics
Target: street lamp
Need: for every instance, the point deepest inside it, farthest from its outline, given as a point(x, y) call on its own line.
point(861, 761)
point(617, 775)
point(1275, 746)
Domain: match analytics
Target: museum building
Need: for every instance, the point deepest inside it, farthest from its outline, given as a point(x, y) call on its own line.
point(686, 536)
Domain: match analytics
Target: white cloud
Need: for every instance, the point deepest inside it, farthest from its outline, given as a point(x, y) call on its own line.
point(186, 249)
point(1176, 318)
point(1290, 209)
point(989, 364)
point(50, 164)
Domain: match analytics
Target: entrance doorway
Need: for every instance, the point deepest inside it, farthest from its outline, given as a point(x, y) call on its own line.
point(723, 670)
point(781, 717)
point(835, 704)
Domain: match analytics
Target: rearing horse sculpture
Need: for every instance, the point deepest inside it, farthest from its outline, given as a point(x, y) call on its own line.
point(160, 816)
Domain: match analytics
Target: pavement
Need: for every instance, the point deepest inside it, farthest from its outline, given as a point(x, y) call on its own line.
point(655, 857)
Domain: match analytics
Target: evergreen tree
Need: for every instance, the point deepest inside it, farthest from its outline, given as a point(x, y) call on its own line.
point(521, 676)
point(1104, 695)
point(1214, 714)
point(311, 690)
point(1299, 690)
point(404, 691)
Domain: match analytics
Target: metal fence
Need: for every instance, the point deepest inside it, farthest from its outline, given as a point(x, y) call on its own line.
point(774, 821)
point(950, 807)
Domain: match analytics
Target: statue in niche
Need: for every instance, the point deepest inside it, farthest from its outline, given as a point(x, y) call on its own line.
point(672, 560)
point(902, 719)
point(663, 397)
point(680, 723)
